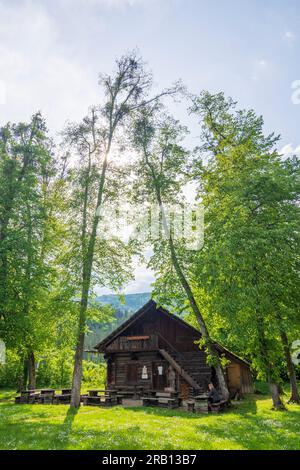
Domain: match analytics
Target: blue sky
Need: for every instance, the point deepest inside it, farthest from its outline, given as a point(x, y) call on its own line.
point(51, 53)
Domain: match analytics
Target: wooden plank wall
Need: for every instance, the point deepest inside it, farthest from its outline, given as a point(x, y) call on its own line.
point(121, 361)
point(181, 337)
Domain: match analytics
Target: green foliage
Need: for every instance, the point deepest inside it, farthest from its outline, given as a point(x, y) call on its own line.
point(11, 371)
point(247, 275)
point(54, 370)
point(93, 374)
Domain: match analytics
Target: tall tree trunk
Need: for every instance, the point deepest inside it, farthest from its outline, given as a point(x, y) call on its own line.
point(263, 352)
point(202, 326)
point(186, 286)
point(88, 257)
point(77, 372)
point(275, 393)
point(295, 397)
point(22, 381)
point(31, 371)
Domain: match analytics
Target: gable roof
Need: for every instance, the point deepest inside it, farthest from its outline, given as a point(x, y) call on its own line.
point(149, 306)
point(152, 306)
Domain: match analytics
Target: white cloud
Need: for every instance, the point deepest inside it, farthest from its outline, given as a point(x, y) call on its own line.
point(289, 35)
point(262, 63)
point(289, 150)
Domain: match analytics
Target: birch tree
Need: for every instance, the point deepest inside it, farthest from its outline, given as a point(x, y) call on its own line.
point(96, 139)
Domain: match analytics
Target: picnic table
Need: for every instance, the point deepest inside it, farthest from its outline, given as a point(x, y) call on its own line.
point(27, 396)
point(46, 396)
point(124, 394)
point(28, 392)
point(133, 392)
point(149, 393)
point(168, 399)
point(101, 397)
point(102, 392)
point(199, 404)
point(36, 396)
point(64, 397)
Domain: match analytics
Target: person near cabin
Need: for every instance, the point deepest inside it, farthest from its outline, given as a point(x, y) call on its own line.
point(213, 395)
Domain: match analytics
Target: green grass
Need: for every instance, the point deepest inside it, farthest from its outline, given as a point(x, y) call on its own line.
point(249, 425)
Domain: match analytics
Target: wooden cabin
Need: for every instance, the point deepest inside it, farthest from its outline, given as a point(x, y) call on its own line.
point(156, 350)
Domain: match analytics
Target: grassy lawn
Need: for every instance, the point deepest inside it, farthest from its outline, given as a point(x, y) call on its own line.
point(249, 425)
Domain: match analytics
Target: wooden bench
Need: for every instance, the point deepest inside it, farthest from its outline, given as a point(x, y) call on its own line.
point(99, 401)
point(34, 398)
point(160, 401)
point(83, 396)
point(219, 406)
point(121, 395)
point(170, 402)
point(201, 403)
point(148, 401)
point(190, 406)
point(129, 392)
point(167, 394)
point(64, 398)
point(46, 398)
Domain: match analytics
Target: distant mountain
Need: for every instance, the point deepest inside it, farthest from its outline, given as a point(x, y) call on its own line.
point(124, 308)
point(132, 302)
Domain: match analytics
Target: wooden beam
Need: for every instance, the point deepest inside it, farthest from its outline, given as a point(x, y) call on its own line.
point(136, 338)
point(179, 369)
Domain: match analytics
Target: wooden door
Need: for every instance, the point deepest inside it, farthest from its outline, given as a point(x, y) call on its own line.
point(234, 377)
point(159, 375)
point(111, 373)
point(132, 373)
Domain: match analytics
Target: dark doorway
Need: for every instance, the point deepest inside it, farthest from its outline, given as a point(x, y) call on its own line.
point(159, 375)
point(131, 373)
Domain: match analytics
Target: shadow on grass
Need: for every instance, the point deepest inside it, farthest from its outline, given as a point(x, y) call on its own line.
point(250, 431)
point(53, 427)
point(51, 436)
point(30, 427)
point(66, 429)
point(241, 408)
